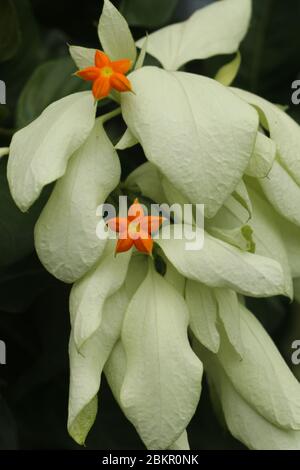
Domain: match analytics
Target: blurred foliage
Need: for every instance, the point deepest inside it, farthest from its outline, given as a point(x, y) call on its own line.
point(34, 317)
point(148, 13)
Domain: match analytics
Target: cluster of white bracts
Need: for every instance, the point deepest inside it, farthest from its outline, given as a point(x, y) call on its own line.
point(205, 143)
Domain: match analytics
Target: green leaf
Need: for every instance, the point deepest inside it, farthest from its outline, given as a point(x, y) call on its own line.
point(160, 402)
point(86, 366)
point(39, 153)
point(65, 235)
point(149, 13)
point(115, 35)
point(263, 157)
point(228, 72)
point(203, 314)
point(217, 145)
point(28, 56)
point(240, 237)
point(21, 283)
point(10, 34)
point(249, 274)
point(89, 294)
point(215, 29)
point(271, 49)
point(8, 430)
point(16, 229)
point(50, 82)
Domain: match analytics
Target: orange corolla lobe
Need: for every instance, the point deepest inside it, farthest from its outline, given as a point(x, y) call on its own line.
point(107, 75)
point(135, 229)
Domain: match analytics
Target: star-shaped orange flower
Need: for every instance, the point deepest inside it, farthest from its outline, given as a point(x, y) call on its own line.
point(135, 229)
point(106, 75)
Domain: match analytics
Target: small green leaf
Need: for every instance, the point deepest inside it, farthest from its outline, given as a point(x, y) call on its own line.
point(148, 13)
point(50, 82)
point(228, 72)
point(10, 34)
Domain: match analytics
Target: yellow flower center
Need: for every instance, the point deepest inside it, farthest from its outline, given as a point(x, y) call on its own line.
point(134, 230)
point(107, 72)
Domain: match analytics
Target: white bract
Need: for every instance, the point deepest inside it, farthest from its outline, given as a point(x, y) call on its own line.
point(144, 320)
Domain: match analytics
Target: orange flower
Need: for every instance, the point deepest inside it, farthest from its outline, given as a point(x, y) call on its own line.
point(135, 229)
point(106, 75)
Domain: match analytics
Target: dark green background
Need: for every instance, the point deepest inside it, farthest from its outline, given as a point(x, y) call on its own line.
point(34, 319)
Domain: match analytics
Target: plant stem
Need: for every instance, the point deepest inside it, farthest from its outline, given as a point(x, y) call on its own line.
point(106, 117)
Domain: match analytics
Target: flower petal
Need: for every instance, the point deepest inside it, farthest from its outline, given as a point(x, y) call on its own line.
point(144, 243)
point(124, 244)
point(135, 211)
point(151, 224)
point(121, 66)
point(89, 74)
point(101, 59)
point(101, 87)
point(120, 82)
